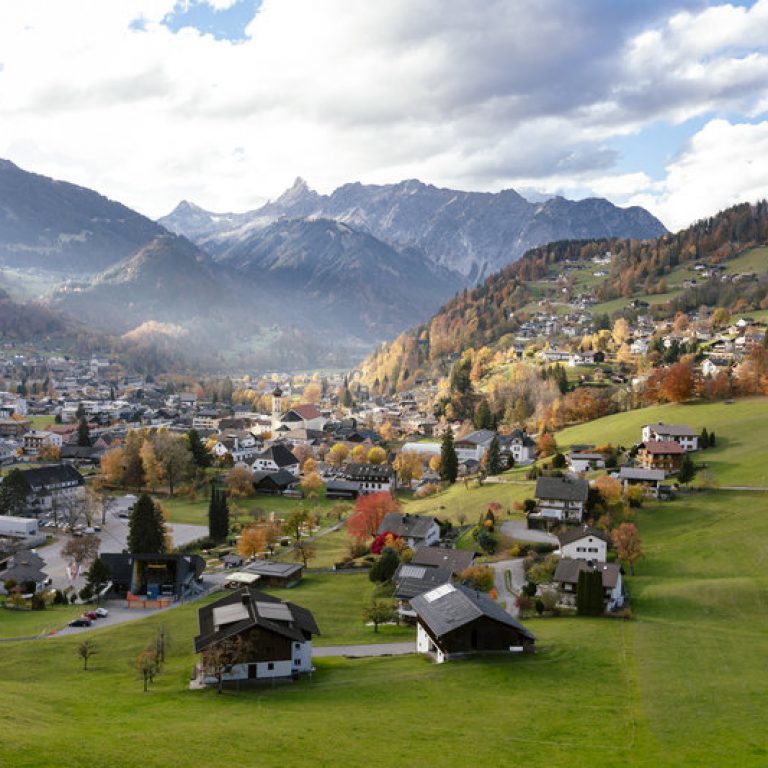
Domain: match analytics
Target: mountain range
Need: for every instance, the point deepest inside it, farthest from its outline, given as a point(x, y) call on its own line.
point(307, 278)
point(470, 233)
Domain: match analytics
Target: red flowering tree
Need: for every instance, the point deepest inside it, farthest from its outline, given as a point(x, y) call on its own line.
point(369, 513)
point(386, 539)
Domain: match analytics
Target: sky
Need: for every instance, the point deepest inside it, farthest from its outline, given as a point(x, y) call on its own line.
point(224, 103)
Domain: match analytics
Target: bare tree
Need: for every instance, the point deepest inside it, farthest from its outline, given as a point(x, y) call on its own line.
point(85, 650)
point(148, 665)
point(82, 550)
point(219, 657)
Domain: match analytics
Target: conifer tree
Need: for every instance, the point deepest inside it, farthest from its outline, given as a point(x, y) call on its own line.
point(218, 514)
point(494, 459)
point(83, 433)
point(449, 462)
point(200, 455)
point(146, 527)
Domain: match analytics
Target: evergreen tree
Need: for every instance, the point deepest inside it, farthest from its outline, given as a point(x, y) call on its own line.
point(589, 593)
point(146, 528)
point(218, 514)
point(384, 568)
point(200, 455)
point(83, 433)
point(704, 439)
point(97, 577)
point(80, 412)
point(494, 459)
point(14, 491)
point(687, 470)
point(133, 473)
point(449, 461)
point(483, 417)
point(711, 439)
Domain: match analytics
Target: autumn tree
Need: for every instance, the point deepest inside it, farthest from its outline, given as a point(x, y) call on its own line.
point(369, 513)
point(546, 444)
point(678, 383)
point(174, 455)
point(153, 470)
point(113, 467)
point(81, 549)
point(303, 552)
point(408, 465)
point(478, 577)
point(435, 463)
point(629, 545)
point(359, 454)
point(312, 485)
point(379, 612)
point(295, 522)
point(239, 482)
point(147, 664)
point(338, 454)
point(252, 541)
point(377, 455)
point(620, 331)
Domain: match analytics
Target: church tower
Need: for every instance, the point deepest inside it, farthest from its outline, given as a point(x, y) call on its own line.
point(277, 408)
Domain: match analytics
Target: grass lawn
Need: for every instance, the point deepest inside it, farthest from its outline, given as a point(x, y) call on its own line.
point(681, 685)
point(741, 429)
point(42, 421)
point(182, 510)
point(754, 260)
point(473, 501)
point(26, 623)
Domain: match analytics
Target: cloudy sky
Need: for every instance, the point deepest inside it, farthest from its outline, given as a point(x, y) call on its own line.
point(225, 102)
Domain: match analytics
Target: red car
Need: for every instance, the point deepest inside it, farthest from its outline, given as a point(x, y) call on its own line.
point(92, 615)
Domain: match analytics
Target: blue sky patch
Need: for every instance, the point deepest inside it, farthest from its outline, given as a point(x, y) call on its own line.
point(228, 24)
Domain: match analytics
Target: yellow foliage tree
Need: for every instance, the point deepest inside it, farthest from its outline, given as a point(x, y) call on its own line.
point(377, 455)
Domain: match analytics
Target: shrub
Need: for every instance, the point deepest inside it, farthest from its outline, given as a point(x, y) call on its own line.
point(430, 489)
point(558, 461)
point(486, 541)
point(38, 602)
point(479, 577)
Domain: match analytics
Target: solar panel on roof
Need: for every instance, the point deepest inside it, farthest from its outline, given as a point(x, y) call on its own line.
point(438, 592)
point(276, 611)
point(412, 572)
point(229, 614)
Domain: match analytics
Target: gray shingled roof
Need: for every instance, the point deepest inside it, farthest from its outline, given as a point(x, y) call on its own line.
point(412, 580)
point(405, 525)
point(638, 473)
point(582, 532)
point(439, 557)
point(451, 606)
point(568, 571)
point(268, 568)
point(562, 488)
point(674, 430)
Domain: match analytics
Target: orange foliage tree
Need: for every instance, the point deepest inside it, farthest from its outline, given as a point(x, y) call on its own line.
point(369, 513)
point(678, 382)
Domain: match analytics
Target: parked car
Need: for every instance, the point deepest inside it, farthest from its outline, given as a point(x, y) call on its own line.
point(102, 612)
point(81, 622)
point(92, 615)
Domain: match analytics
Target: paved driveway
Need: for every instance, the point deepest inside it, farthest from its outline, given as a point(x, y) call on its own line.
point(515, 567)
point(517, 529)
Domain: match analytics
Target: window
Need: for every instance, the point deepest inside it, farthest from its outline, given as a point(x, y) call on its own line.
point(297, 646)
point(270, 666)
point(297, 662)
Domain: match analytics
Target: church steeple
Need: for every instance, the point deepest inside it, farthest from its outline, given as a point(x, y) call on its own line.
point(277, 407)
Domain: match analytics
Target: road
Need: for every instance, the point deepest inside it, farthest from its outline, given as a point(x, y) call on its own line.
point(515, 567)
point(517, 529)
point(363, 651)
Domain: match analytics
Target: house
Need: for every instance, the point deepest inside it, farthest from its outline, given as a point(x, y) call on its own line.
point(639, 346)
point(585, 543)
point(276, 457)
point(412, 580)
point(585, 461)
point(154, 576)
point(567, 578)
point(305, 416)
point(519, 446)
point(665, 455)
point(416, 530)
point(560, 499)
point(474, 445)
point(456, 560)
point(36, 440)
point(678, 433)
point(25, 567)
point(454, 621)
point(648, 478)
point(274, 636)
point(371, 478)
point(340, 489)
point(276, 574)
point(273, 483)
point(54, 483)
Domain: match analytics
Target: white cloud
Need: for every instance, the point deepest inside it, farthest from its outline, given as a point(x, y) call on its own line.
point(723, 164)
point(523, 93)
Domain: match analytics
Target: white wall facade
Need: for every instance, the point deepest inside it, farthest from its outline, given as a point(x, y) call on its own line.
point(587, 548)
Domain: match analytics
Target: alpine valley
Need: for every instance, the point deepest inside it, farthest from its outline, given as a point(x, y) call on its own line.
point(306, 280)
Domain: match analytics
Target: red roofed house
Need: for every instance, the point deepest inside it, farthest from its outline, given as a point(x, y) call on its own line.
point(305, 416)
point(666, 455)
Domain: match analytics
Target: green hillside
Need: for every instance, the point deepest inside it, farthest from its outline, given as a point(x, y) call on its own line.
point(741, 429)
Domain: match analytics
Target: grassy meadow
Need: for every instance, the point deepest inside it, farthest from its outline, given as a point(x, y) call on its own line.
point(682, 684)
point(741, 429)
